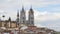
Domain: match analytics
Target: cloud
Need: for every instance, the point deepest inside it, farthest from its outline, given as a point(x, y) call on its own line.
point(44, 16)
point(14, 4)
point(40, 3)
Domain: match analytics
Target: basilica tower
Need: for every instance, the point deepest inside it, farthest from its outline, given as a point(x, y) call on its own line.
point(22, 16)
point(31, 17)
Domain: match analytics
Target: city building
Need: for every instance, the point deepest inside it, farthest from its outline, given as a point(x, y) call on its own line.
point(22, 26)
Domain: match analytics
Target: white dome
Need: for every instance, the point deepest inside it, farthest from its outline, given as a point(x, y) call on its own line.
point(24, 27)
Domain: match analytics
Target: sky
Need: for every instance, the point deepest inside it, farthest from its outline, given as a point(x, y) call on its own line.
point(46, 12)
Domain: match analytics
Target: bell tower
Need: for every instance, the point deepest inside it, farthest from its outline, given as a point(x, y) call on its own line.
point(31, 17)
point(22, 16)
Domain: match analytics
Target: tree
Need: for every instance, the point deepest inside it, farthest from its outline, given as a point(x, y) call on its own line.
point(3, 17)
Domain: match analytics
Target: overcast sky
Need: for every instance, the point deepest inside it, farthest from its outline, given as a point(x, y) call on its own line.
point(47, 12)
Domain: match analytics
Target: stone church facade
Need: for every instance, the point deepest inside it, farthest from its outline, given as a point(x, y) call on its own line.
point(30, 21)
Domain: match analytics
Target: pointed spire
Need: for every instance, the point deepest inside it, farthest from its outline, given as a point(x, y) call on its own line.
point(18, 13)
point(31, 8)
point(22, 8)
point(9, 19)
